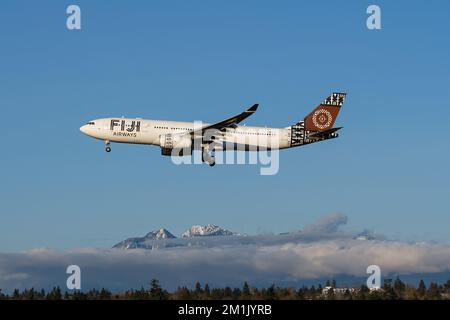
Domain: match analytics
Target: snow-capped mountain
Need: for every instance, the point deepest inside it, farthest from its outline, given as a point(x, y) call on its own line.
point(213, 236)
point(208, 230)
point(365, 235)
point(146, 242)
point(162, 238)
point(159, 234)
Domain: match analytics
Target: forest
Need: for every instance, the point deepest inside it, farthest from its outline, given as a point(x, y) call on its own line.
point(391, 290)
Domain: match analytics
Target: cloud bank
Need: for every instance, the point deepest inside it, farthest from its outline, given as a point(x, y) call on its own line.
point(319, 252)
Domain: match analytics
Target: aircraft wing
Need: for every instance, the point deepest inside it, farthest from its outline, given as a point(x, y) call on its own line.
point(230, 122)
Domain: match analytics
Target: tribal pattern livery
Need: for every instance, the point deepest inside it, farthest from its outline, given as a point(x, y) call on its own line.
point(322, 118)
point(318, 125)
point(335, 99)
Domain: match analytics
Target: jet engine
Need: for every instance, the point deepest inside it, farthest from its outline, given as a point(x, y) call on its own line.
point(181, 143)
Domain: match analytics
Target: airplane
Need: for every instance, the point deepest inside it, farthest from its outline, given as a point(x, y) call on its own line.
point(177, 138)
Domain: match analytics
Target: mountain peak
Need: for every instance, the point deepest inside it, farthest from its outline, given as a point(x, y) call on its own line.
point(159, 234)
point(208, 230)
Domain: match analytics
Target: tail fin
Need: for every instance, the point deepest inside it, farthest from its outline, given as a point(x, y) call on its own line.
point(323, 117)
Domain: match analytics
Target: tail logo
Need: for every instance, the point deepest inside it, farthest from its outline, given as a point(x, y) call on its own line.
point(322, 119)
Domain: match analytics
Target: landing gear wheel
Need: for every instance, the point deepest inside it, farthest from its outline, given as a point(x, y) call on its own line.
point(108, 148)
point(207, 158)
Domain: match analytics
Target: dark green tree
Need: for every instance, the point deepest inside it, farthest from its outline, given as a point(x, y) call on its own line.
point(29, 294)
point(105, 294)
point(363, 293)
point(16, 294)
point(270, 293)
point(375, 295)
point(330, 294)
point(312, 292)
point(447, 286)
point(246, 290)
point(198, 289)
point(55, 294)
point(227, 293)
point(421, 289)
point(236, 293)
point(183, 294)
point(301, 294)
point(433, 291)
point(156, 292)
point(347, 295)
point(389, 293)
point(399, 287)
point(207, 292)
point(79, 295)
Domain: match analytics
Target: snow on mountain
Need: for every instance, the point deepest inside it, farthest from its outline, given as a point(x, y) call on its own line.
point(162, 238)
point(208, 230)
point(159, 234)
point(143, 242)
point(366, 235)
point(212, 236)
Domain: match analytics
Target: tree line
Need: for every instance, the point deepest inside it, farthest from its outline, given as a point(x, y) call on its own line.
point(396, 290)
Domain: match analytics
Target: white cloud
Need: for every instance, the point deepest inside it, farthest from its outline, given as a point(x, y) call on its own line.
point(118, 269)
point(320, 252)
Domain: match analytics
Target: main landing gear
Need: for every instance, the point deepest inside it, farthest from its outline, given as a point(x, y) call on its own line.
point(108, 148)
point(208, 158)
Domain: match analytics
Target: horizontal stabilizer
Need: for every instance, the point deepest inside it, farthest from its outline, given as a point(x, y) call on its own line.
point(323, 134)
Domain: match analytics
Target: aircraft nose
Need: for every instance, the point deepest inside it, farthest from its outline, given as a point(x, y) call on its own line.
point(83, 129)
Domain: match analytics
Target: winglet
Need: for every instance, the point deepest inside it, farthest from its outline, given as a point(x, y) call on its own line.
point(253, 108)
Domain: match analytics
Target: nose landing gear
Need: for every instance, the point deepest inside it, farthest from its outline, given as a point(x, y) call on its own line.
point(108, 148)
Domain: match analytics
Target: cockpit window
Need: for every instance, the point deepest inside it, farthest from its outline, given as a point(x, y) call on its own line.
point(90, 123)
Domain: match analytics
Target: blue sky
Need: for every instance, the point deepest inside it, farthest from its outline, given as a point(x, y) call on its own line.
point(205, 60)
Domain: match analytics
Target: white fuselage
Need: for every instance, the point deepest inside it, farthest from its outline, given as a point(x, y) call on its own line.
point(146, 131)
